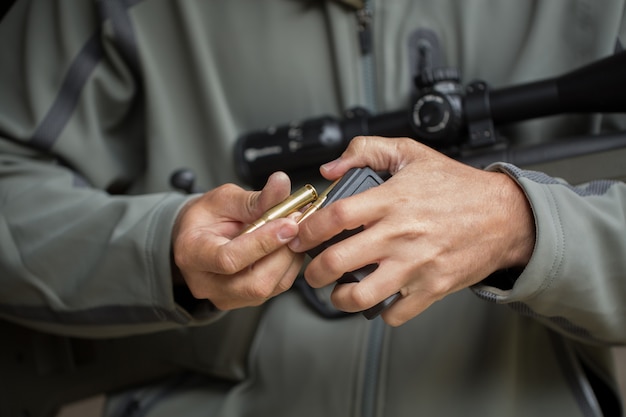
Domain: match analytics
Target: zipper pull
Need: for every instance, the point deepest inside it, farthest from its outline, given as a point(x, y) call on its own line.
point(364, 19)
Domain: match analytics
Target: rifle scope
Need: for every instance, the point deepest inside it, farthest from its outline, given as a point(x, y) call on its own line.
point(444, 115)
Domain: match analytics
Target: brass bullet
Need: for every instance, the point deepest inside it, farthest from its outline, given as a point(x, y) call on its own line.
point(291, 204)
point(318, 202)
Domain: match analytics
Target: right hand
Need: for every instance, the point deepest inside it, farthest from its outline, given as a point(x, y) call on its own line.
point(435, 227)
point(230, 269)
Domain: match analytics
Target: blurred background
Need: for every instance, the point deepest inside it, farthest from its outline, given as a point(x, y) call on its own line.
point(92, 407)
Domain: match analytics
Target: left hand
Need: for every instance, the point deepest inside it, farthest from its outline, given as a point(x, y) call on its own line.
point(435, 227)
point(231, 269)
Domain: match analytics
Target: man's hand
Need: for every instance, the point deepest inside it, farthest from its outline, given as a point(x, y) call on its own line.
point(230, 269)
point(435, 227)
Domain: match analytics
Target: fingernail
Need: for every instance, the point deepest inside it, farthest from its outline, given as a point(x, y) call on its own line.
point(329, 165)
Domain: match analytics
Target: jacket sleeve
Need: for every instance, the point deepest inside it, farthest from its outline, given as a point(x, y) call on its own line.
point(78, 255)
point(575, 281)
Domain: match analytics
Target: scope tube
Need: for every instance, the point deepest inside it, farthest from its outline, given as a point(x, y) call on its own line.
point(599, 87)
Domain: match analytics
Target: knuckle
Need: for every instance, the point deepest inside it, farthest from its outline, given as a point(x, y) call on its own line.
point(265, 246)
point(226, 189)
point(218, 193)
point(196, 283)
point(439, 288)
point(261, 290)
point(362, 298)
point(331, 261)
point(252, 203)
point(282, 286)
point(226, 262)
point(224, 195)
point(183, 251)
point(360, 143)
point(181, 259)
point(394, 321)
point(400, 318)
point(405, 143)
point(305, 231)
point(196, 291)
point(341, 212)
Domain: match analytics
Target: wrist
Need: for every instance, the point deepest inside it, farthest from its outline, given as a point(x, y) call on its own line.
point(520, 229)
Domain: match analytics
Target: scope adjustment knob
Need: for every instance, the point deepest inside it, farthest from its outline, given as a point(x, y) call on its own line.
point(429, 77)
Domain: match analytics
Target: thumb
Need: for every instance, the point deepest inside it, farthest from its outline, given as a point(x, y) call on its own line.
point(276, 189)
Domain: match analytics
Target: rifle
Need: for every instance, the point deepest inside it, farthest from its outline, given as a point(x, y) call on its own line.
point(456, 120)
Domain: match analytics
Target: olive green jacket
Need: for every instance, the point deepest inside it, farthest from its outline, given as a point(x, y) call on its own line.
point(102, 101)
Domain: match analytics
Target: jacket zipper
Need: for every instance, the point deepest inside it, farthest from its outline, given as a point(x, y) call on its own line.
point(575, 376)
point(371, 374)
point(377, 330)
point(570, 365)
point(364, 17)
point(138, 403)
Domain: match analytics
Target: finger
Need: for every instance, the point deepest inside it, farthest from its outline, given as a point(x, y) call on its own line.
point(378, 153)
point(330, 265)
point(252, 247)
point(416, 293)
point(325, 224)
point(223, 256)
point(350, 254)
point(290, 275)
point(363, 209)
point(406, 308)
point(370, 291)
point(267, 278)
point(376, 288)
point(255, 285)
